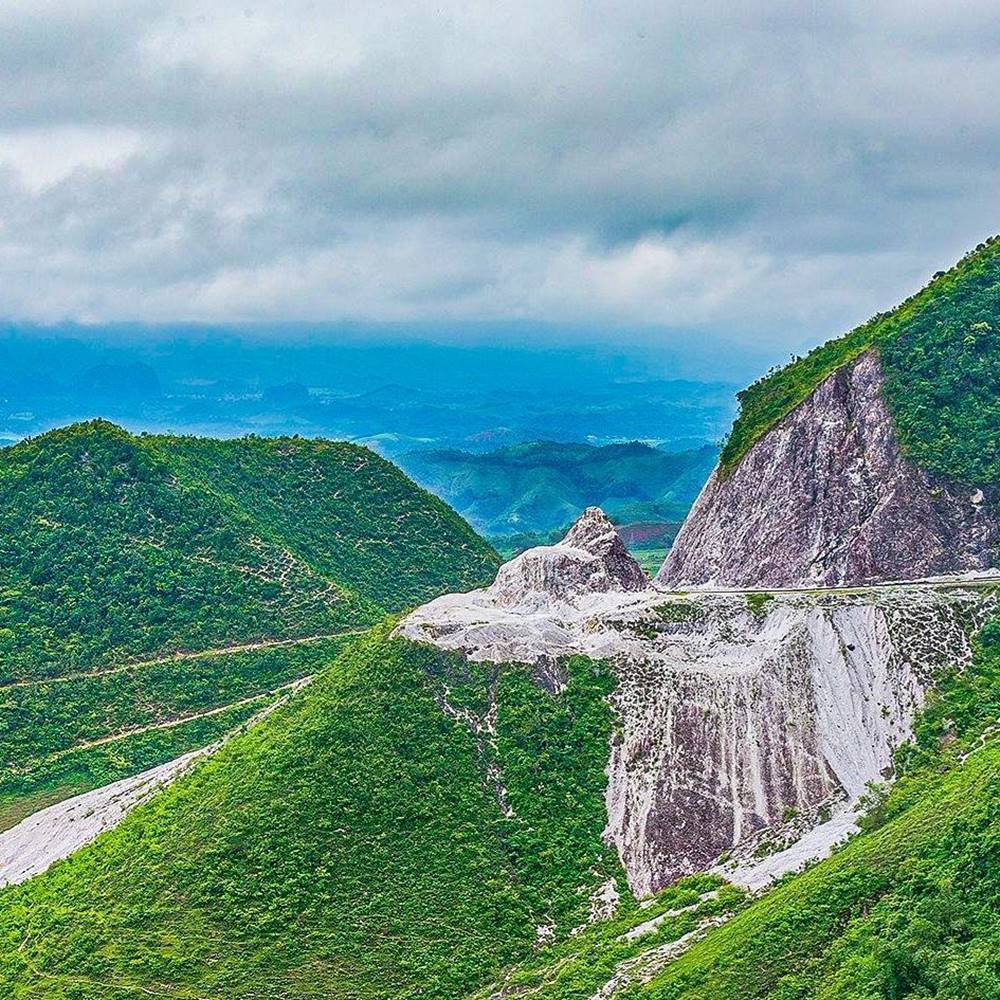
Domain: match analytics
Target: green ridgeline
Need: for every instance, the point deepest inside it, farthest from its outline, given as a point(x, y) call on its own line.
point(361, 842)
point(940, 351)
point(119, 550)
point(116, 547)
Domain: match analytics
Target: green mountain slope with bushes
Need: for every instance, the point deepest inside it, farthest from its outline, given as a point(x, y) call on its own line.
point(909, 908)
point(371, 838)
point(121, 555)
point(940, 351)
point(459, 850)
point(544, 486)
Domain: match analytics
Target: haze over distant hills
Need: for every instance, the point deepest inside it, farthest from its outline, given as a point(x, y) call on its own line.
point(543, 486)
point(395, 397)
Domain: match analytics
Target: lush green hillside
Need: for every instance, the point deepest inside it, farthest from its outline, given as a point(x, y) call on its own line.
point(360, 842)
point(941, 353)
point(63, 736)
point(293, 865)
point(543, 486)
point(261, 556)
point(347, 513)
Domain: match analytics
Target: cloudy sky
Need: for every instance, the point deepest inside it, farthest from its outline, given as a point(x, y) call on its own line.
point(775, 173)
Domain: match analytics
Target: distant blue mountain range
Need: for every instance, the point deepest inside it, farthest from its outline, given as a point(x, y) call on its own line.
point(397, 396)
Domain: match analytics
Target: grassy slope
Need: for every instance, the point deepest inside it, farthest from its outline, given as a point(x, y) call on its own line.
point(351, 515)
point(352, 845)
point(544, 485)
point(59, 739)
point(578, 966)
point(116, 549)
point(941, 353)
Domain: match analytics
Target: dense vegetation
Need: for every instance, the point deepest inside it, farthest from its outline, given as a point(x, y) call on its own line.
point(117, 551)
point(360, 842)
point(579, 966)
point(543, 486)
point(941, 354)
point(115, 547)
point(911, 907)
point(350, 515)
point(62, 737)
point(71, 772)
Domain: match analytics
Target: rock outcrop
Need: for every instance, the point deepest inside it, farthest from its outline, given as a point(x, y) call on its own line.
point(591, 559)
point(738, 719)
point(826, 498)
point(736, 713)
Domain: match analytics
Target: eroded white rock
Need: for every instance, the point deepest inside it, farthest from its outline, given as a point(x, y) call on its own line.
point(827, 497)
point(736, 711)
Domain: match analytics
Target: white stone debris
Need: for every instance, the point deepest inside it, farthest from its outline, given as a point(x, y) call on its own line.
point(604, 901)
point(55, 833)
point(736, 710)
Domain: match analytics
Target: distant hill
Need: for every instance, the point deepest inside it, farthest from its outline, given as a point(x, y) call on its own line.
point(543, 486)
point(249, 557)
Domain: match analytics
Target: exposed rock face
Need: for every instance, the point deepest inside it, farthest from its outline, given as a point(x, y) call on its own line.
point(734, 712)
point(826, 498)
point(591, 559)
point(537, 608)
point(734, 721)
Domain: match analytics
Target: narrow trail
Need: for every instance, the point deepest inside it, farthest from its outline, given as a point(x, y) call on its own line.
point(179, 657)
point(931, 583)
point(291, 687)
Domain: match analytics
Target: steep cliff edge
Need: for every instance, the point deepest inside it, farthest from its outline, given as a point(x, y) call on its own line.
point(874, 457)
point(739, 717)
point(827, 498)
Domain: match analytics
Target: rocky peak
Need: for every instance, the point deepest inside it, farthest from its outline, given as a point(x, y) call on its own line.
point(593, 532)
point(828, 498)
point(591, 559)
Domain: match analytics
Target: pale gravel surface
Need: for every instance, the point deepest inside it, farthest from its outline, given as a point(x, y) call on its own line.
point(814, 845)
point(54, 833)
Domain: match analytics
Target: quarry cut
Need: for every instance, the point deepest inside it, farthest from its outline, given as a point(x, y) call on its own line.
point(827, 498)
point(742, 717)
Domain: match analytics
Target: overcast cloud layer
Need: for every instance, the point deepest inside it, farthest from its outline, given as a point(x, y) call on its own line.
point(780, 172)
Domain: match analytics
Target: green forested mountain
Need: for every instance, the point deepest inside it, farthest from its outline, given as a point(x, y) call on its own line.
point(354, 844)
point(940, 351)
point(543, 486)
point(117, 553)
point(293, 865)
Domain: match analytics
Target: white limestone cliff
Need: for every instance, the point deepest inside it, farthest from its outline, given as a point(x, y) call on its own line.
point(827, 498)
point(740, 715)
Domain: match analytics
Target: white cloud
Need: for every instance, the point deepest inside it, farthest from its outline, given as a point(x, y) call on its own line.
point(767, 170)
point(45, 155)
